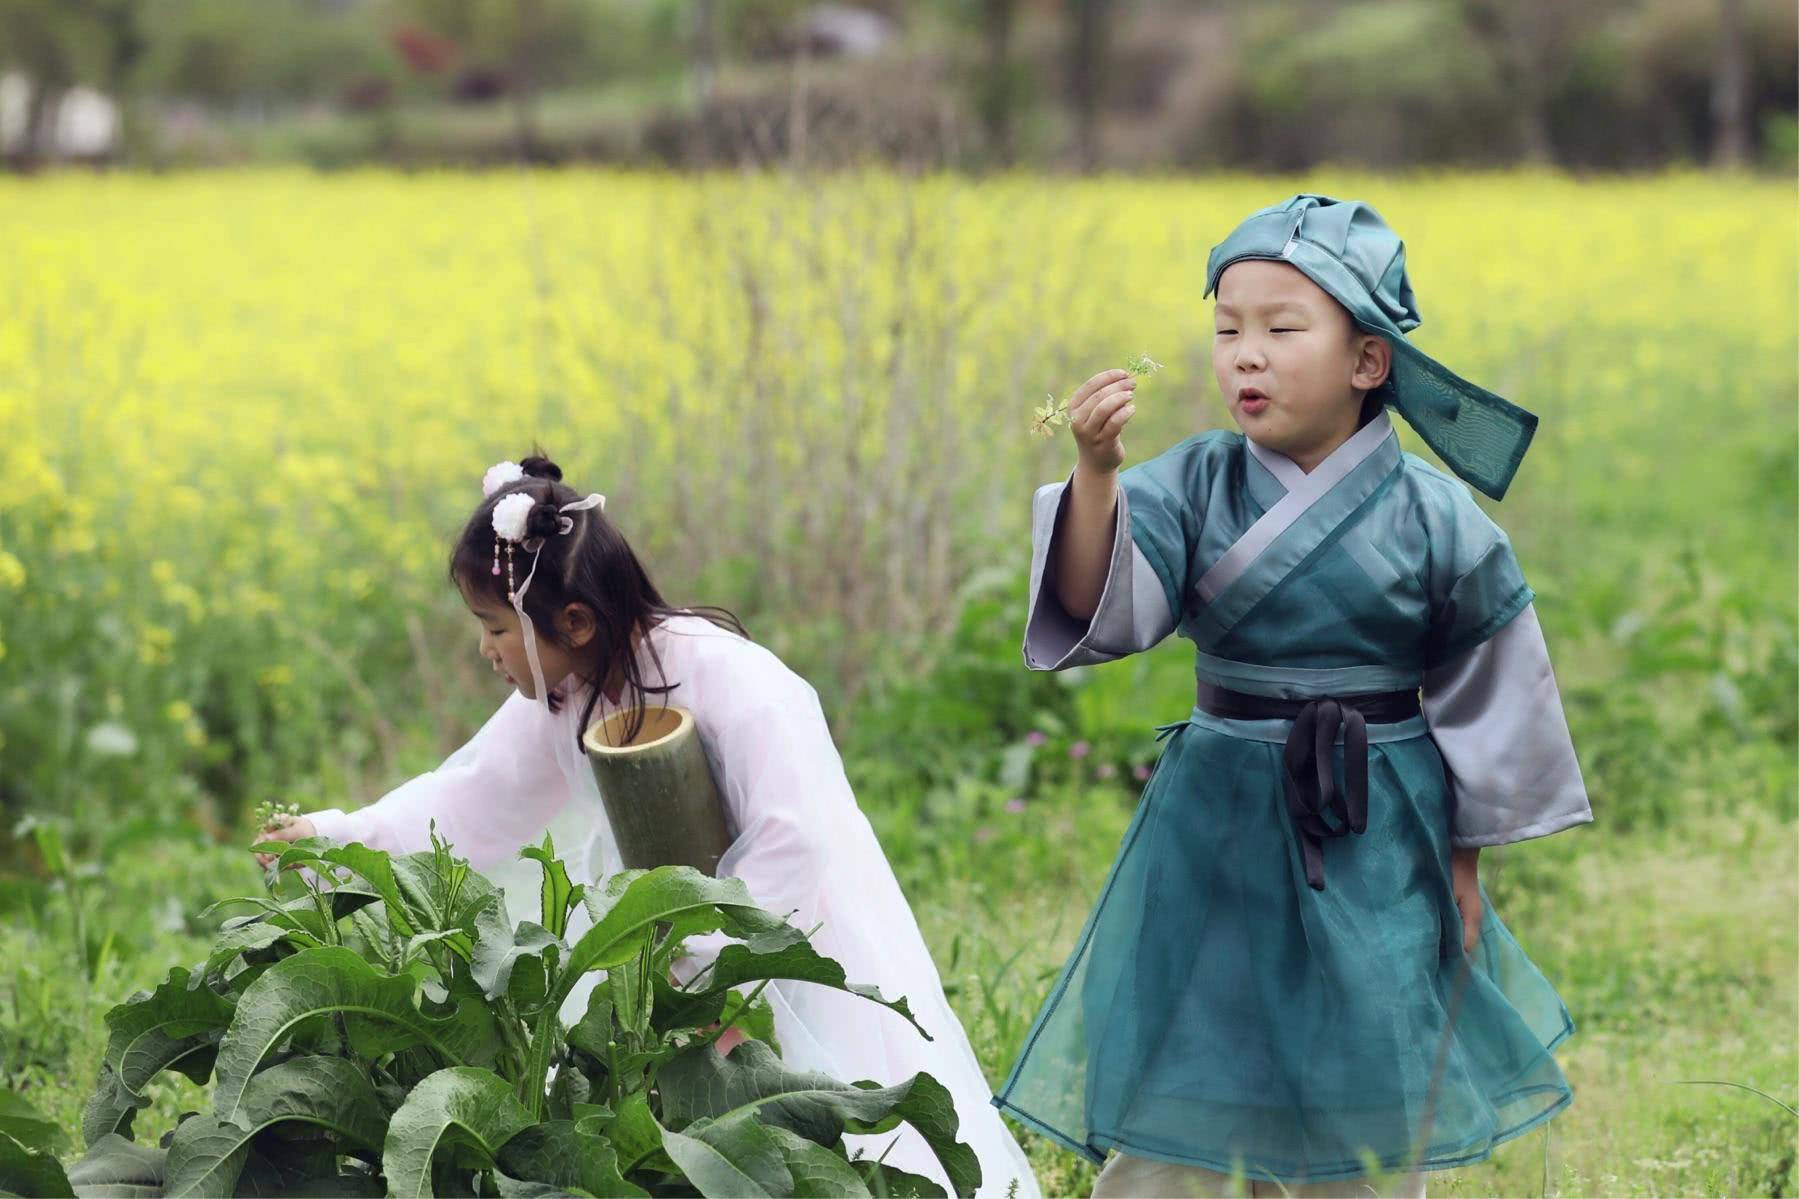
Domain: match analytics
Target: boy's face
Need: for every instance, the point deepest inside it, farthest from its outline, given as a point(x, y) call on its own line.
point(1290, 362)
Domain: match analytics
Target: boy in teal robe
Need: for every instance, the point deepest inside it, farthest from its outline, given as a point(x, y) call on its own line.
point(1292, 969)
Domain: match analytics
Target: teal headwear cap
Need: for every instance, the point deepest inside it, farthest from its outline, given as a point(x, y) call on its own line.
point(1347, 249)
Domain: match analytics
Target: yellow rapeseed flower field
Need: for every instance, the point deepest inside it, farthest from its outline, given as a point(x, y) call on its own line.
point(242, 413)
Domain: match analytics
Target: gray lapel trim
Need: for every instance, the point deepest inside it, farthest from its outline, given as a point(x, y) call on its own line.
point(1307, 490)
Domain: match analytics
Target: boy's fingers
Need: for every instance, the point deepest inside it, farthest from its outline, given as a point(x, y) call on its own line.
point(1094, 409)
point(1101, 411)
point(1119, 419)
point(1094, 384)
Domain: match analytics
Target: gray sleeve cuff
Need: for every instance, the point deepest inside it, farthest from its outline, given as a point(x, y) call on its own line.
point(1496, 716)
point(1133, 612)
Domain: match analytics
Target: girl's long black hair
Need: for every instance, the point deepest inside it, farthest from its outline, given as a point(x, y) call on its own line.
point(593, 565)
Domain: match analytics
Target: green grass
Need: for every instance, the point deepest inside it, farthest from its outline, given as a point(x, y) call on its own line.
point(1677, 954)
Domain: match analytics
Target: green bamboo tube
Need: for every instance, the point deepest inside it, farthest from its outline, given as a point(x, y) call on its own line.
point(658, 789)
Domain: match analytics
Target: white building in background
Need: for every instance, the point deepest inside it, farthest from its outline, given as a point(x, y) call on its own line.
point(86, 123)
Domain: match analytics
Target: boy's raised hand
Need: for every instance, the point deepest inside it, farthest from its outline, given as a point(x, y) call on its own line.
point(1097, 415)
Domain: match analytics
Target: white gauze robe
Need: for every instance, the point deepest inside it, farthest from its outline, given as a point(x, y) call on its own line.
point(800, 844)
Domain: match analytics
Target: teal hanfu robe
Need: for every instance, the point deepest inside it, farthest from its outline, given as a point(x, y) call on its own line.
point(1221, 1008)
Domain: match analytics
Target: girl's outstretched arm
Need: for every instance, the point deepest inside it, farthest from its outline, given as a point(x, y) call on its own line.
point(489, 798)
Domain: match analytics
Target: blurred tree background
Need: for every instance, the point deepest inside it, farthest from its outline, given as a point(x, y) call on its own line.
point(921, 84)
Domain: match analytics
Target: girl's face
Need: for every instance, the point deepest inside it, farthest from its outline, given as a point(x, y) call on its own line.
point(1290, 362)
point(503, 643)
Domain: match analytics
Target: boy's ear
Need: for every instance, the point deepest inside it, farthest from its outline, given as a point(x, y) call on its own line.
point(577, 624)
point(1373, 361)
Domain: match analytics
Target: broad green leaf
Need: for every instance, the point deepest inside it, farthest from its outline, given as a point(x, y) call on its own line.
point(515, 1188)
point(284, 1163)
point(205, 1157)
point(558, 896)
point(476, 1022)
point(371, 865)
point(321, 982)
point(244, 938)
point(116, 1167)
point(313, 1186)
point(473, 1106)
point(559, 1153)
point(637, 1137)
point(593, 1030)
point(738, 964)
point(698, 1083)
point(894, 1183)
point(296, 921)
point(331, 1093)
point(25, 1124)
point(626, 914)
point(378, 940)
point(818, 1172)
point(173, 1028)
point(749, 1148)
point(570, 1092)
point(733, 1158)
point(111, 1108)
point(24, 1171)
point(754, 1019)
point(500, 949)
point(631, 1000)
point(442, 893)
point(376, 869)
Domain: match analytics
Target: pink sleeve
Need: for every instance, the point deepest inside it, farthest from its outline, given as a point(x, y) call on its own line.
point(489, 798)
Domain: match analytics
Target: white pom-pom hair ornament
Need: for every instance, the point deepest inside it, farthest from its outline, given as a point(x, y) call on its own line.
point(499, 475)
point(511, 514)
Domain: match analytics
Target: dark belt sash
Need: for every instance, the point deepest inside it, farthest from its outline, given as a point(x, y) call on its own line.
point(1318, 809)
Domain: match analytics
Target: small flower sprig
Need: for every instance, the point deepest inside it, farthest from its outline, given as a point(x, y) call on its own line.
point(1053, 414)
point(276, 814)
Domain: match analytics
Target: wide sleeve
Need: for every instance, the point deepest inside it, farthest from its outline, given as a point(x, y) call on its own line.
point(1154, 529)
point(1489, 694)
point(784, 789)
point(490, 798)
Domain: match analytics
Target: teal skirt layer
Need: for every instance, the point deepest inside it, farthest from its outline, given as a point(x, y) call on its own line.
point(1219, 1012)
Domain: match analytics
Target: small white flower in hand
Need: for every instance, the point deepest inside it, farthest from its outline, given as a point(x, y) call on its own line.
point(511, 514)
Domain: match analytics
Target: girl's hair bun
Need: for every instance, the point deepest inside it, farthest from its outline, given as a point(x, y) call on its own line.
point(539, 467)
point(543, 519)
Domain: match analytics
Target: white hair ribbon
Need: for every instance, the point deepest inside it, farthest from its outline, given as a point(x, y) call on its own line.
point(564, 526)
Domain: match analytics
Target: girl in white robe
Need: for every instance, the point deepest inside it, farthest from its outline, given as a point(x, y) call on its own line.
point(800, 843)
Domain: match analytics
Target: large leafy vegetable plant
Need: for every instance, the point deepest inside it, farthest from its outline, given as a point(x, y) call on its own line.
point(377, 1025)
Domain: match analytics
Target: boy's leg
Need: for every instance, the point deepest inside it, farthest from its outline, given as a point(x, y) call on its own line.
point(1127, 1177)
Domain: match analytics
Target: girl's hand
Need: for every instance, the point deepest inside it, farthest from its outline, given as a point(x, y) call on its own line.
point(1097, 415)
point(1464, 881)
point(295, 828)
